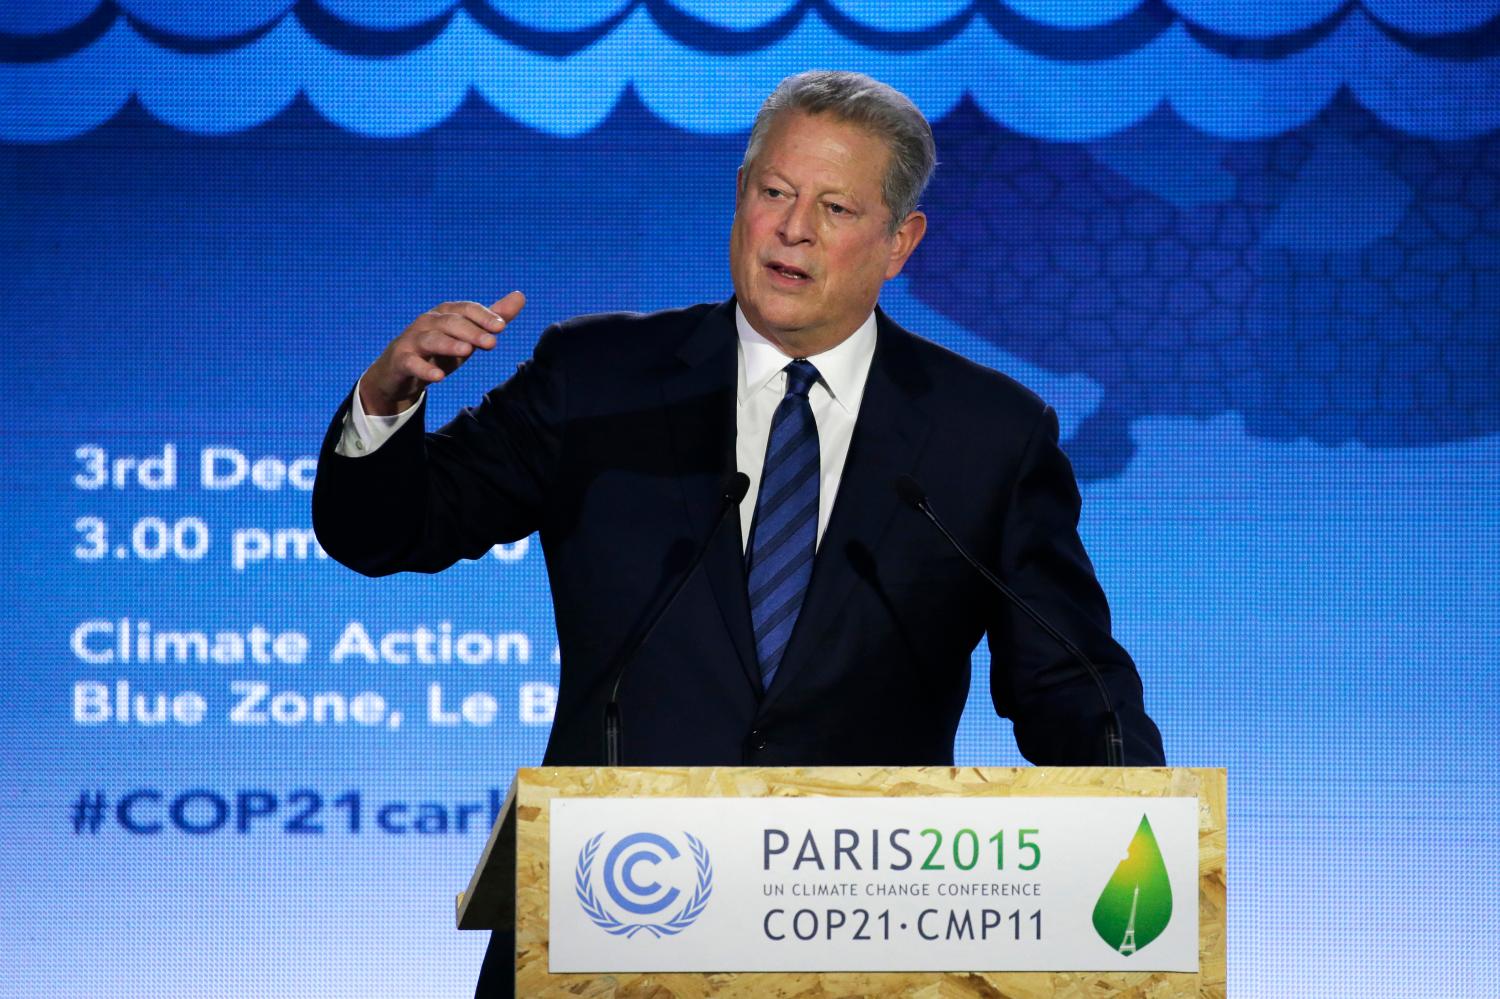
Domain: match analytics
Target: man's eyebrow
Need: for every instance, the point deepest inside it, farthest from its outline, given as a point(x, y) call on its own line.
point(842, 194)
point(771, 175)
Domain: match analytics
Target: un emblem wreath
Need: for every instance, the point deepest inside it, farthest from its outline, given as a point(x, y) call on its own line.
point(610, 923)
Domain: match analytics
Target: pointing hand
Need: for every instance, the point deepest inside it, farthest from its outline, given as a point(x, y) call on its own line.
point(432, 348)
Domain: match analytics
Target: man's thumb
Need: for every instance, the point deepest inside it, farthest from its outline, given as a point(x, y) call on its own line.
point(508, 306)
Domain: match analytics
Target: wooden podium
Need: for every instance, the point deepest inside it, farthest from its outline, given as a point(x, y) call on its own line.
point(510, 886)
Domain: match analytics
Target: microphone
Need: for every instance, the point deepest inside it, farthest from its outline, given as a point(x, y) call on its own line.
point(732, 489)
point(1114, 748)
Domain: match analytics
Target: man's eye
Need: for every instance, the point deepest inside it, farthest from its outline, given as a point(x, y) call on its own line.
point(837, 209)
point(773, 192)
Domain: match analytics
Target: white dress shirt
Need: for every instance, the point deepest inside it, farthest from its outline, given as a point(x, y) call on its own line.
point(761, 383)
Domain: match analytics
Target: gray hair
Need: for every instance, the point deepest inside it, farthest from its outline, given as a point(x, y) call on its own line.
point(866, 102)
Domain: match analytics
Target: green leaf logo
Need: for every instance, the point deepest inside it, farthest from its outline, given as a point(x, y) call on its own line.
point(1136, 905)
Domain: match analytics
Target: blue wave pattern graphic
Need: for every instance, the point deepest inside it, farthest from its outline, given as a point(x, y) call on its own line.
point(1050, 70)
point(1229, 17)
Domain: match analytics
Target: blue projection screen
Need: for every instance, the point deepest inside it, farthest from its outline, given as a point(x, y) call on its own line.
point(1250, 252)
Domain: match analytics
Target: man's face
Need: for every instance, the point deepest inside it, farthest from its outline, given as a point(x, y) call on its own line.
point(811, 244)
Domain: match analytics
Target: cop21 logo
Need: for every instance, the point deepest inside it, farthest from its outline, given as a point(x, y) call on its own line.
point(621, 881)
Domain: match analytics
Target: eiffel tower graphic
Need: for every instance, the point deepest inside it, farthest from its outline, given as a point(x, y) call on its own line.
point(1127, 946)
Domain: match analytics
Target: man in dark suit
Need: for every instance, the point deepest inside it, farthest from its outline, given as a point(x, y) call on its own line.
point(829, 622)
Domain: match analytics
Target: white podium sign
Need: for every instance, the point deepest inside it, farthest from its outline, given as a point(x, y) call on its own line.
point(874, 884)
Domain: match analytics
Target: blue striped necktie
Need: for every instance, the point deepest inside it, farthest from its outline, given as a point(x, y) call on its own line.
point(784, 531)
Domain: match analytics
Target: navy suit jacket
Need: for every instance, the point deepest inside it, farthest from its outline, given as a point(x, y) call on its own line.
point(614, 441)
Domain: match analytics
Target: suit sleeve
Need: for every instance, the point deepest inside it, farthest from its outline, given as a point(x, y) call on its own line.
point(1049, 696)
point(425, 500)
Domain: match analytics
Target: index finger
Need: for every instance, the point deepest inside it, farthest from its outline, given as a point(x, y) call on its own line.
point(486, 319)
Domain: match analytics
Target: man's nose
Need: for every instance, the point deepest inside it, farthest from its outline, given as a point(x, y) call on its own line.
point(797, 222)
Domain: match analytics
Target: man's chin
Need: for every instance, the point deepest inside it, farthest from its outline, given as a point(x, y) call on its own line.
point(781, 326)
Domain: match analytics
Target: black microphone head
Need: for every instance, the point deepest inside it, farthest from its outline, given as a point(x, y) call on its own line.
point(736, 485)
point(910, 492)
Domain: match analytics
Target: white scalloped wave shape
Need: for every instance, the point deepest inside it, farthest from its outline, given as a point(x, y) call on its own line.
point(715, 93)
point(1240, 18)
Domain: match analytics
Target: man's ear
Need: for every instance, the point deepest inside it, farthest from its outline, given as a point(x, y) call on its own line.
point(739, 186)
point(904, 241)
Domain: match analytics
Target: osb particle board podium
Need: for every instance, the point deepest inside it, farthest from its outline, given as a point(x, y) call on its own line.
point(509, 886)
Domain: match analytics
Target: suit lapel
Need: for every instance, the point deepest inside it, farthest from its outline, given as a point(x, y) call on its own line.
point(888, 437)
point(700, 404)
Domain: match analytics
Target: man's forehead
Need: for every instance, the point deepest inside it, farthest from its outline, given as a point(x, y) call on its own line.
point(771, 151)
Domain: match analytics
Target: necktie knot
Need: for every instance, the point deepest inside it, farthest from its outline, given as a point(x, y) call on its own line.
point(800, 376)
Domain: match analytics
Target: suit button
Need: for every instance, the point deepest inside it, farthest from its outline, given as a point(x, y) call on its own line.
point(757, 740)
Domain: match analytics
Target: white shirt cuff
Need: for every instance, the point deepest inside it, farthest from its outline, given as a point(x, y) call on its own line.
point(363, 434)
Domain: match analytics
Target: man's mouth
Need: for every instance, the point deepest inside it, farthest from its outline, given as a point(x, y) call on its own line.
point(788, 271)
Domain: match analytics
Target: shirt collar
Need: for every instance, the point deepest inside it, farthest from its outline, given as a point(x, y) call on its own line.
point(842, 369)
